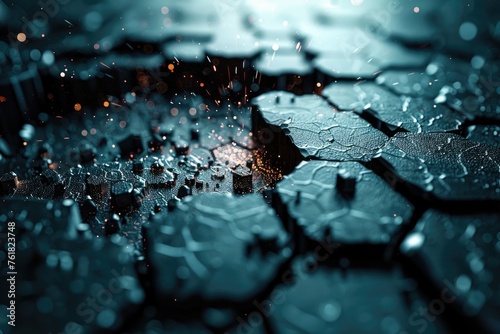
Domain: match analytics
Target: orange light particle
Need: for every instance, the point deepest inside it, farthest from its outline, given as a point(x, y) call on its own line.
point(21, 37)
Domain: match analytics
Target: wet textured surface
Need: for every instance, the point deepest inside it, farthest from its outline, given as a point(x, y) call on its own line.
point(445, 166)
point(69, 275)
point(319, 300)
point(486, 134)
point(412, 114)
point(459, 253)
point(317, 130)
point(326, 208)
point(212, 237)
point(469, 88)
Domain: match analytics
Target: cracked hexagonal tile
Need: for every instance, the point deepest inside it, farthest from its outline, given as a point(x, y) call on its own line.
point(459, 255)
point(415, 83)
point(283, 62)
point(444, 166)
point(215, 247)
point(388, 54)
point(346, 67)
point(321, 300)
point(441, 71)
point(315, 128)
point(240, 44)
point(336, 201)
point(78, 283)
point(413, 114)
point(346, 43)
point(469, 88)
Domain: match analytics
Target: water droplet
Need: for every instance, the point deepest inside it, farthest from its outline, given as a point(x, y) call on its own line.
point(106, 318)
point(412, 243)
point(463, 283)
point(468, 31)
point(477, 62)
point(330, 311)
